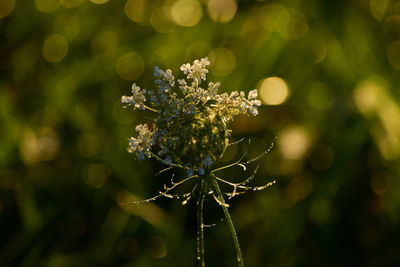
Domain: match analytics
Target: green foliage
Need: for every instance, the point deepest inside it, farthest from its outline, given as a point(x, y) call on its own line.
point(327, 72)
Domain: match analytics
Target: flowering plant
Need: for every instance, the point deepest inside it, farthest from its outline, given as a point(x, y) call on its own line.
point(190, 132)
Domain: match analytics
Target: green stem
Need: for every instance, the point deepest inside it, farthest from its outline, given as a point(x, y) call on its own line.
point(151, 109)
point(200, 224)
point(229, 221)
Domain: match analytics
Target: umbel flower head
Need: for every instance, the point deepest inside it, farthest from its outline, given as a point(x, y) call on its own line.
point(191, 126)
point(190, 131)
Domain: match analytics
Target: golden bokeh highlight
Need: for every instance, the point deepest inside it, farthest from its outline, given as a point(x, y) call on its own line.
point(223, 61)
point(130, 66)
point(393, 54)
point(297, 26)
point(294, 142)
point(274, 17)
point(373, 99)
point(47, 5)
point(367, 96)
point(55, 48)
point(6, 6)
point(99, 2)
point(222, 10)
point(71, 3)
point(186, 13)
point(135, 10)
point(39, 145)
point(273, 91)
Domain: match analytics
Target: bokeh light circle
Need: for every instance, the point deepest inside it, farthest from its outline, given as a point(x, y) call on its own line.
point(294, 142)
point(55, 48)
point(47, 5)
point(273, 91)
point(135, 9)
point(130, 66)
point(186, 13)
point(222, 10)
point(297, 26)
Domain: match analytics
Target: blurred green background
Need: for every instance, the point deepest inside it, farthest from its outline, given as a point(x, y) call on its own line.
point(327, 72)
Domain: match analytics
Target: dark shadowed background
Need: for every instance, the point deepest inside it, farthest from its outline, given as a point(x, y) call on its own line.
point(327, 73)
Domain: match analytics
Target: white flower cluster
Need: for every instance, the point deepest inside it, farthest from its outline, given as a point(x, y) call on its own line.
point(191, 124)
point(197, 71)
point(137, 99)
point(142, 144)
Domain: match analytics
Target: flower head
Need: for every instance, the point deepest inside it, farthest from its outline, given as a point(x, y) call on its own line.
point(191, 126)
point(137, 99)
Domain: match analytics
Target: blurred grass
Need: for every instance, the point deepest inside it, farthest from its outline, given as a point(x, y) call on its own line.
point(333, 102)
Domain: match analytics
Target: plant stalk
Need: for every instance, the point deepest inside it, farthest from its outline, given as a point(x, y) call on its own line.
point(229, 221)
point(200, 224)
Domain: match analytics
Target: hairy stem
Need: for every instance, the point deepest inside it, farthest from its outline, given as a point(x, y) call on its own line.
point(200, 224)
point(229, 221)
